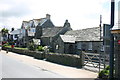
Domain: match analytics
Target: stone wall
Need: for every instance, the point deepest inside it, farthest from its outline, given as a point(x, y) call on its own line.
point(64, 59)
point(84, 45)
point(117, 56)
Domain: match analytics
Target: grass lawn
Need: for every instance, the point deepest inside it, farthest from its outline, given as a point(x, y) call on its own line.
point(17, 48)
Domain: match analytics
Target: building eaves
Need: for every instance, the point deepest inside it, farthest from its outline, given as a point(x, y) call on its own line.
point(15, 32)
point(68, 38)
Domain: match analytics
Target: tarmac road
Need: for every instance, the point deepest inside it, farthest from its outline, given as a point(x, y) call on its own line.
point(12, 68)
point(51, 70)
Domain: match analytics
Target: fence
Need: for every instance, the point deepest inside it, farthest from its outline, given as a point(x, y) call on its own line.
point(95, 61)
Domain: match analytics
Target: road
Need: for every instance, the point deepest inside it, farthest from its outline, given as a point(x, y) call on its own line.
point(12, 68)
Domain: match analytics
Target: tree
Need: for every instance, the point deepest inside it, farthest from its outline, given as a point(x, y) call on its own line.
point(4, 31)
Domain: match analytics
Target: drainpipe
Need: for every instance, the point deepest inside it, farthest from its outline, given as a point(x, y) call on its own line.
point(112, 41)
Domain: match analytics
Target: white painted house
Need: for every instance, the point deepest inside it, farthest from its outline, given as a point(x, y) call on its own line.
point(14, 35)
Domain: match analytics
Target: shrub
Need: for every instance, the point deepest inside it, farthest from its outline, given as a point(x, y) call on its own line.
point(31, 46)
point(104, 73)
point(40, 48)
point(108, 67)
point(6, 44)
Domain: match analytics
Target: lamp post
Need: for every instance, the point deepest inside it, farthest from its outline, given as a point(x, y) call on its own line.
point(112, 41)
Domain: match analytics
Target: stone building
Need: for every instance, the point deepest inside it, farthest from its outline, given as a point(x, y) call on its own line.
point(116, 33)
point(76, 40)
point(65, 44)
point(48, 35)
point(30, 28)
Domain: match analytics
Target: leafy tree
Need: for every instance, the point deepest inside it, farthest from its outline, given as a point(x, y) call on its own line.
point(4, 31)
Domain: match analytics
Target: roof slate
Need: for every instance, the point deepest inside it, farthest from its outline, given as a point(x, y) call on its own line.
point(28, 24)
point(39, 21)
point(68, 38)
point(89, 34)
point(50, 32)
point(25, 24)
point(15, 32)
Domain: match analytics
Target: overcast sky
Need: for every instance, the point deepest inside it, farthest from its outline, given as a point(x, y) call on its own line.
point(80, 13)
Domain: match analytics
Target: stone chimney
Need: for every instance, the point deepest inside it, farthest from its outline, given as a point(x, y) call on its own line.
point(66, 24)
point(12, 29)
point(48, 16)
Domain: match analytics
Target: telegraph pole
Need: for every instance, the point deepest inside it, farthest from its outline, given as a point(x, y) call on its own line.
point(100, 40)
point(112, 41)
point(100, 27)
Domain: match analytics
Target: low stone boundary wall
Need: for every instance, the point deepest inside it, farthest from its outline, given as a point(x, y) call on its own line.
point(64, 59)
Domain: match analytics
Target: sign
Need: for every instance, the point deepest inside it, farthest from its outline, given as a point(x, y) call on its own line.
point(118, 41)
point(106, 34)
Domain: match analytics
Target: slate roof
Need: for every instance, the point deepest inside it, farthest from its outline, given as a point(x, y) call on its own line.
point(89, 34)
point(15, 31)
point(25, 24)
point(28, 24)
point(50, 32)
point(68, 38)
point(39, 21)
point(33, 24)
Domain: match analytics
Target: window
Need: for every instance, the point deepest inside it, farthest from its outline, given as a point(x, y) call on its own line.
point(102, 47)
point(90, 46)
point(57, 47)
point(16, 36)
point(79, 45)
point(11, 36)
point(33, 30)
point(50, 39)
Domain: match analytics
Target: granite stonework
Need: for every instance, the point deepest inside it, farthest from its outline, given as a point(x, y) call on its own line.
point(117, 54)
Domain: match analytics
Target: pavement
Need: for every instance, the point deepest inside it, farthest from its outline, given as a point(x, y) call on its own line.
point(69, 72)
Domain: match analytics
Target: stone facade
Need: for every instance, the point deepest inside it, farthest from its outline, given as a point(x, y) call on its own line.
point(117, 56)
point(75, 41)
point(67, 48)
point(48, 35)
point(47, 24)
point(89, 46)
point(117, 53)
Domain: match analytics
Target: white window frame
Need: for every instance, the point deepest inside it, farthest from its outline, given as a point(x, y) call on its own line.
point(57, 46)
